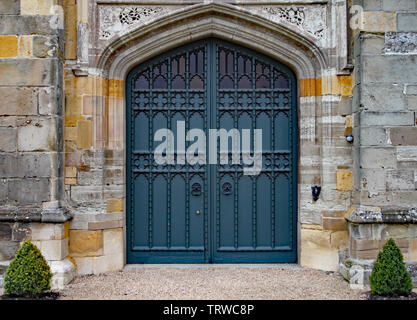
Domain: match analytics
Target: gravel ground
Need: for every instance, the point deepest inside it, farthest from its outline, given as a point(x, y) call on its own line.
point(212, 283)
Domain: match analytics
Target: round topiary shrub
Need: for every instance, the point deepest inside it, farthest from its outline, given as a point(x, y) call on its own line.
point(389, 276)
point(28, 274)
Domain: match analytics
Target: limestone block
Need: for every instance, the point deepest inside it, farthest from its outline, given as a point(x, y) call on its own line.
point(411, 102)
point(53, 250)
point(396, 231)
point(108, 263)
point(5, 231)
point(40, 135)
point(382, 97)
point(398, 5)
point(45, 47)
point(63, 272)
point(114, 205)
point(101, 225)
point(373, 180)
point(39, 7)
point(22, 231)
point(85, 265)
point(8, 139)
point(407, 21)
point(377, 21)
point(22, 24)
point(8, 249)
point(412, 254)
point(18, 101)
point(401, 68)
point(35, 164)
point(387, 118)
point(113, 241)
point(27, 72)
point(3, 190)
point(25, 47)
point(372, 5)
point(403, 136)
point(86, 193)
point(400, 180)
point(49, 101)
point(407, 154)
point(49, 231)
point(376, 158)
point(316, 251)
point(29, 191)
point(84, 243)
point(10, 7)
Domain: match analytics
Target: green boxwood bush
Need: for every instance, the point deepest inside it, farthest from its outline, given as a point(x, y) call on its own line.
point(28, 273)
point(389, 276)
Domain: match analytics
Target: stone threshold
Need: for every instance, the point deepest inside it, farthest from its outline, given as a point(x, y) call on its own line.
point(214, 266)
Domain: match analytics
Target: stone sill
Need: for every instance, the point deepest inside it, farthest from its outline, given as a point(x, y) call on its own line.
point(371, 215)
point(34, 214)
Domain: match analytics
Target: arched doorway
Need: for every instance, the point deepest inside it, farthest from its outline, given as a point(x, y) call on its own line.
point(185, 212)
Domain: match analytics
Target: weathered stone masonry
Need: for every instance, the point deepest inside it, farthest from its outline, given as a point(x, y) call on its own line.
point(31, 135)
point(62, 124)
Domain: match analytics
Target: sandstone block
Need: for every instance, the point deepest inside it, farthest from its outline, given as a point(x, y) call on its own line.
point(115, 205)
point(86, 243)
point(8, 46)
point(84, 134)
point(344, 180)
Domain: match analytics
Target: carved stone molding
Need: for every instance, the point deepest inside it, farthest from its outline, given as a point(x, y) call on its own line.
point(118, 20)
point(310, 19)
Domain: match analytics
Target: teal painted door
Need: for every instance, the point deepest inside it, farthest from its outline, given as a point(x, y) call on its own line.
point(196, 212)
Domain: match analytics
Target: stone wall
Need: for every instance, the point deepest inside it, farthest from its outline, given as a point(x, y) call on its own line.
point(62, 117)
point(385, 148)
point(31, 134)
